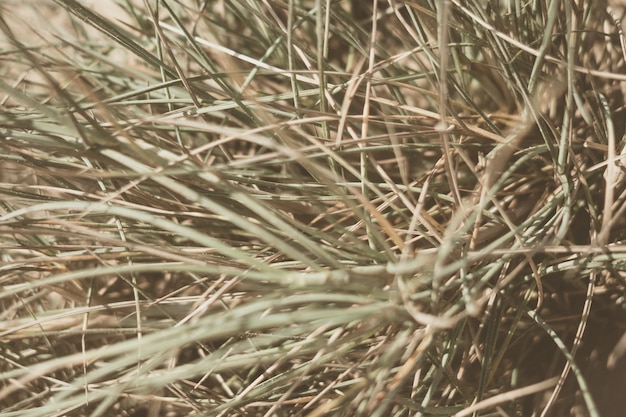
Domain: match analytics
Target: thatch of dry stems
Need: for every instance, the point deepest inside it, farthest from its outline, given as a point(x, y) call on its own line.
point(311, 208)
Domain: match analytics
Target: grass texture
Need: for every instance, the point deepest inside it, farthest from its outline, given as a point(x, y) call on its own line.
point(312, 208)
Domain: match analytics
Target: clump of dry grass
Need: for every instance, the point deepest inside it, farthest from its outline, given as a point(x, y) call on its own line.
point(311, 208)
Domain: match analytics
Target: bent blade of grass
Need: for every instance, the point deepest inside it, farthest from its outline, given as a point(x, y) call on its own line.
point(88, 208)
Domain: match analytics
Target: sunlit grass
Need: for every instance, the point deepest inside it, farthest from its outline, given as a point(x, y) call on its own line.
point(311, 208)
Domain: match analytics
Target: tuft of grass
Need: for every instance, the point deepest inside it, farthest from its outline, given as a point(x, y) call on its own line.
point(311, 208)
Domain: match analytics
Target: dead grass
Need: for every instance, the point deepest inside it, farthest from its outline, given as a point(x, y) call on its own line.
point(311, 208)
